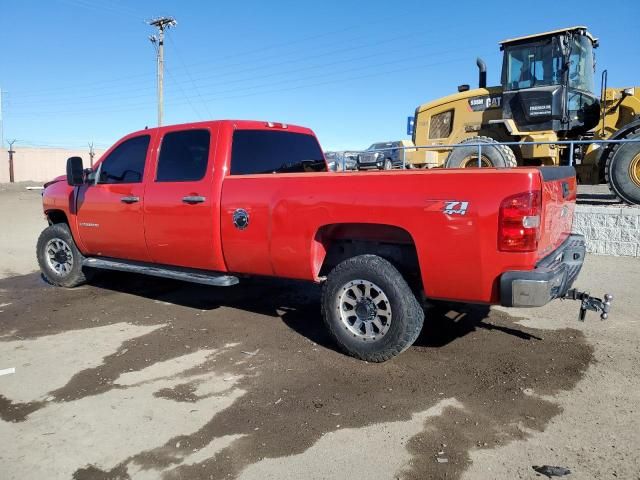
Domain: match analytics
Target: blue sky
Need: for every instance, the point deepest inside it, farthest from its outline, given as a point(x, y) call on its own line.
point(75, 71)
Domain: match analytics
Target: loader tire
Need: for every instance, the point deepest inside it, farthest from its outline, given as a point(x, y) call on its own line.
point(493, 155)
point(622, 169)
point(369, 309)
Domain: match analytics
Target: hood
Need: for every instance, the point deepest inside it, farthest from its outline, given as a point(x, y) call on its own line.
point(56, 180)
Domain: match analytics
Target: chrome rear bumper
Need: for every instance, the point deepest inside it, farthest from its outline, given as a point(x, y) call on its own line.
point(552, 278)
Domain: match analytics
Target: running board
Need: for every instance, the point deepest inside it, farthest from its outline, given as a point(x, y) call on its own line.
point(176, 273)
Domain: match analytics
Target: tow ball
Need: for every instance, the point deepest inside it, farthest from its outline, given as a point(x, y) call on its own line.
point(590, 303)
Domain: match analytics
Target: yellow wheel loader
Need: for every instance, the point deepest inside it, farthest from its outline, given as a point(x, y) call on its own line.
point(547, 94)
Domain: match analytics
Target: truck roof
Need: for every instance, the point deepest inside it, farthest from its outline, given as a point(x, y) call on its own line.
point(236, 124)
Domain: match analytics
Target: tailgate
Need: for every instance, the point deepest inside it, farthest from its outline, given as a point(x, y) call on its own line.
point(559, 191)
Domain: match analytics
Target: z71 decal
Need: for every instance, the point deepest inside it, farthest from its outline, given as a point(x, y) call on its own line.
point(455, 208)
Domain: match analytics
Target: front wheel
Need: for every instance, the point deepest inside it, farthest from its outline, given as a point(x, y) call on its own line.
point(369, 309)
point(388, 165)
point(59, 259)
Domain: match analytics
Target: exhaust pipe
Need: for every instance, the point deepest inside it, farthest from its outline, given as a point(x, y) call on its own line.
point(482, 73)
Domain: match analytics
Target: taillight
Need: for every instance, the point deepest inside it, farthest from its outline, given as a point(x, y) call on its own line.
point(519, 222)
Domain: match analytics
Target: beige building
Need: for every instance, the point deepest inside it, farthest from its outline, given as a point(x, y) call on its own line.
point(40, 164)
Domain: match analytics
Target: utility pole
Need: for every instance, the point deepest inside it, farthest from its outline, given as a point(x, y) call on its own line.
point(162, 24)
point(91, 154)
point(11, 152)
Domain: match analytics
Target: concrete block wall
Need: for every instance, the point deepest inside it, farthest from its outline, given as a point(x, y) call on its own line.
point(609, 230)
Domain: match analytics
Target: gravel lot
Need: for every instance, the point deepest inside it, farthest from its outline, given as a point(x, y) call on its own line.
point(134, 377)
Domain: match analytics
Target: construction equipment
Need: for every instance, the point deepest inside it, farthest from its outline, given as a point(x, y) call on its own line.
point(547, 94)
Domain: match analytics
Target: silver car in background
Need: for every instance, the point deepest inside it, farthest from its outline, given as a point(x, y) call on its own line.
point(338, 161)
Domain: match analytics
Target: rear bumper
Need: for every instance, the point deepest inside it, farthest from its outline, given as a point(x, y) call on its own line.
point(551, 278)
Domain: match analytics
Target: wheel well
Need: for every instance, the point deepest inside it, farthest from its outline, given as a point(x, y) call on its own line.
point(57, 216)
point(338, 242)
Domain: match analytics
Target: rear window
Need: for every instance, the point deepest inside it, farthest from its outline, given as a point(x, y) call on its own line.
point(270, 151)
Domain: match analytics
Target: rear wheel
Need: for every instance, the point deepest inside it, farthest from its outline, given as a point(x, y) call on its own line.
point(369, 309)
point(59, 259)
point(622, 169)
point(492, 155)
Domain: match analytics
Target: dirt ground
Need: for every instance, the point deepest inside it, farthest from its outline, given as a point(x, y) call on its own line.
point(142, 378)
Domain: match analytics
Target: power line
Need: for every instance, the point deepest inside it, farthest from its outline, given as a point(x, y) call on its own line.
point(329, 82)
point(184, 94)
point(331, 75)
point(304, 51)
point(232, 71)
point(103, 7)
point(90, 99)
point(195, 87)
point(74, 87)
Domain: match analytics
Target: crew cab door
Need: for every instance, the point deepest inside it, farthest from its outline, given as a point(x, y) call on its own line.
point(109, 212)
point(181, 205)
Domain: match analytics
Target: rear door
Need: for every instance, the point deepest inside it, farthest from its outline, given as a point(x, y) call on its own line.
point(559, 191)
point(180, 217)
point(109, 212)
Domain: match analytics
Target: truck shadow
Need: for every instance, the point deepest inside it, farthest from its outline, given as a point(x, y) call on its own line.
point(297, 303)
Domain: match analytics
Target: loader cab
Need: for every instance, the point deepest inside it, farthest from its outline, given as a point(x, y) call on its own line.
point(548, 81)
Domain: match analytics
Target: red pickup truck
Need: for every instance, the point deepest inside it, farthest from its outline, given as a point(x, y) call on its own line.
point(214, 201)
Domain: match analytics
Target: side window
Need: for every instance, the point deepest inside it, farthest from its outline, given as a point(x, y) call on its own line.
point(183, 156)
point(125, 164)
point(272, 151)
point(440, 125)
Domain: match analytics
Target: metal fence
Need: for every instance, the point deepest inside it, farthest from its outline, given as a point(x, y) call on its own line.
point(571, 144)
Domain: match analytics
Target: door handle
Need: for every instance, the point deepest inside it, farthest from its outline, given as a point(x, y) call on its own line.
point(130, 199)
point(193, 199)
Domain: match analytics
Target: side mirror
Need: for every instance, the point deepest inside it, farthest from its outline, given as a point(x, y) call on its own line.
point(75, 173)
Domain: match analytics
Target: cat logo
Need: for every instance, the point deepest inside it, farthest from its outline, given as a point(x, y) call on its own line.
point(455, 208)
point(480, 104)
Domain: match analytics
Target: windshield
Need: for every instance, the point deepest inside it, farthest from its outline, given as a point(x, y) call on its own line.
point(380, 146)
point(540, 64)
point(532, 66)
point(581, 65)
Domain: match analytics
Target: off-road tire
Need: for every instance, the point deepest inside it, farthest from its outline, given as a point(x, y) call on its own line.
point(76, 276)
point(407, 314)
point(500, 156)
point(617, 172)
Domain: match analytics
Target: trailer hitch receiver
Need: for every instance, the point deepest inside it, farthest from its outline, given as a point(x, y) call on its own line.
point(590, 303)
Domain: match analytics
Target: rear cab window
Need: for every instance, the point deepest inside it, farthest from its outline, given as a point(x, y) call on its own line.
point(271, 151)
